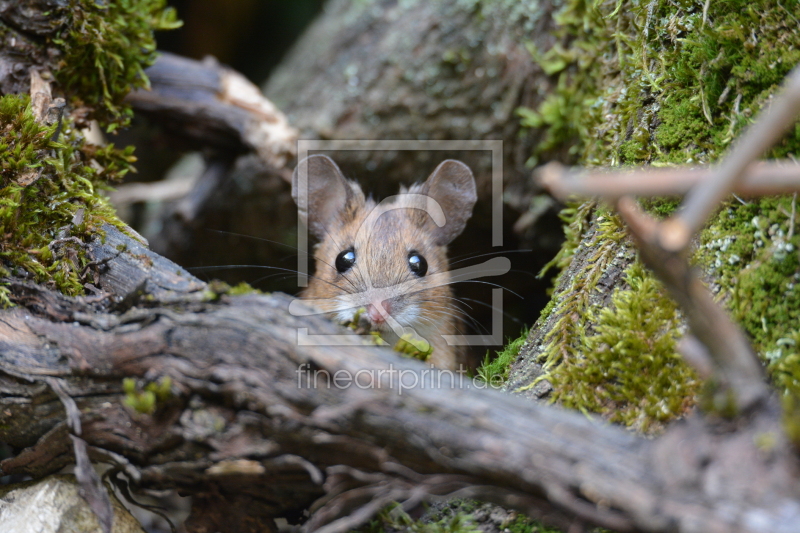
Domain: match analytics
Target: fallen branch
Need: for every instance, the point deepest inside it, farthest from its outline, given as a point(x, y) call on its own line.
point(211, 105)
point(240, 432)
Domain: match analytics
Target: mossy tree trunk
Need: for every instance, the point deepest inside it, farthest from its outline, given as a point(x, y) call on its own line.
point(677, 86)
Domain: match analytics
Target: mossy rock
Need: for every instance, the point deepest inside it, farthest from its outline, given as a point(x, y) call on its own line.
point(679, 86)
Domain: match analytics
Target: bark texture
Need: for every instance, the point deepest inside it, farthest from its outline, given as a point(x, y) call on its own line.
point(394, 70)
point(24, 26)
point(242, 429)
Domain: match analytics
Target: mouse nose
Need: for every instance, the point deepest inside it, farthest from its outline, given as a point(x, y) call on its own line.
point(375, 315)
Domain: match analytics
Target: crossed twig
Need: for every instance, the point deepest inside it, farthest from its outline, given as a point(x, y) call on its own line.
point(723, 349)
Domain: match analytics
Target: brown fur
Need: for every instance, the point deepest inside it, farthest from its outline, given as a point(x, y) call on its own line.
point(424, 303)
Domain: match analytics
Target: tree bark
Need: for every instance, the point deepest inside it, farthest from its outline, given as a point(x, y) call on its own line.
point(242, 428)
point(443, 70)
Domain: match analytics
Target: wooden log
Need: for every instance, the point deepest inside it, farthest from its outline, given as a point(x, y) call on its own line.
point(243, 427)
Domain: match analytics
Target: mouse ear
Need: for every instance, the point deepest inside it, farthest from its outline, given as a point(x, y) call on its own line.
point(453, 187)
point(328, 193)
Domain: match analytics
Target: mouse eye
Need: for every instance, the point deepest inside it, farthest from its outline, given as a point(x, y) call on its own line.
point(345, 260)
point(417, 264)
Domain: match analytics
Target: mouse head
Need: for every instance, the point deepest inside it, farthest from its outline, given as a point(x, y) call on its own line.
point(382, 256)
point(333, 201)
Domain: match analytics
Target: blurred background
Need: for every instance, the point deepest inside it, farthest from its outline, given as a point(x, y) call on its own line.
point(365, 70)
point(251, 36)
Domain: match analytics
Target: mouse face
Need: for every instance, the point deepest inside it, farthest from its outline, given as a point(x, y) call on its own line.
point(389, 258)
point(387, 261)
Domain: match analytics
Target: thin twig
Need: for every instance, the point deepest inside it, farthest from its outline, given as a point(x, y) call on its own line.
point(736, 368)
point(761, 179)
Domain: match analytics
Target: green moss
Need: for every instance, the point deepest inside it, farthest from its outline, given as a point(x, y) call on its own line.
point(569, 114)
point(751, 249)
point(494, 370)
point(415, 348)
point(523, 524)
point(677, 87)
point(393, 518)
point(145, 400)
point(791, 418)
point(242, 288)
point(217, 288)
point(718, 73)
point(106, 46)
point(596, 229)
point(51, 200)
point(456, 516)
point(634, 375)
point(44, 187)
point(660, 207)
point(576, 218)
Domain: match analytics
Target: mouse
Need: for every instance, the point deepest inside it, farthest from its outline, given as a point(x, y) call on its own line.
point(386, 262)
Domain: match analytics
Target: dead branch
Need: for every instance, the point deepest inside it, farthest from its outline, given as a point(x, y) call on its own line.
point(212, 105)
point(240, 430)
point(159, 191)
point(762, 178)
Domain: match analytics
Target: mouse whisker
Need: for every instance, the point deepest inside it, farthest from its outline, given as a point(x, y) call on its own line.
point(462, 317)
point(467, 257)
point(280, 276)
point(262, 239)
point(525, 272)
point(458, 300)
point(490, 306)
point(485, 283)
point(453, 282)
point(352, 284)
point(232, 267)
